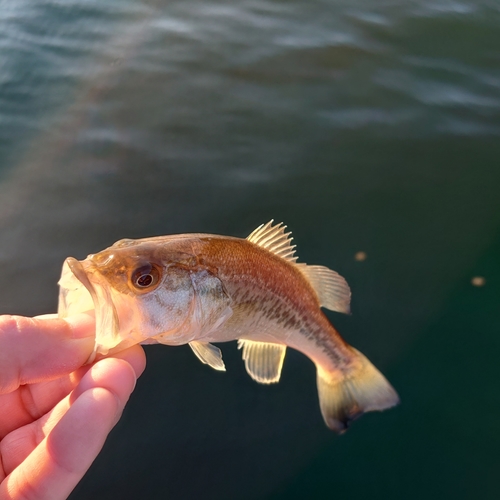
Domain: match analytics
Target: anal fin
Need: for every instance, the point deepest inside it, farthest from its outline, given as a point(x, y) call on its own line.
point(263, 360)
point(208, 354)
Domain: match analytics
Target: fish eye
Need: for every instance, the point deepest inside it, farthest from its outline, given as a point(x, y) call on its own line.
point(145, 277)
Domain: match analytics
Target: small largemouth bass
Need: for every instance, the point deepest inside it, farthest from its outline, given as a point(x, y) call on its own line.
point(201, 288)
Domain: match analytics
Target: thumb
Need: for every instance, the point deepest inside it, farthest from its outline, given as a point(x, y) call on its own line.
point(38, 349)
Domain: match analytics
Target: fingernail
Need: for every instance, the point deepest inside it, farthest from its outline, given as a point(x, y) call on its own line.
point(46, 316)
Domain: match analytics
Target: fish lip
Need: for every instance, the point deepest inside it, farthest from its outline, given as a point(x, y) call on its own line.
point(78, 270)
point(105, 311)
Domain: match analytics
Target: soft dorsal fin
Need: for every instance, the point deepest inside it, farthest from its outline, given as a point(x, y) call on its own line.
point(274, 239)
point(333, 291)
point(208, 354)
point(263, 360)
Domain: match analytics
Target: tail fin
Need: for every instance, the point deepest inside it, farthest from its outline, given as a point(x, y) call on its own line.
point(345, 396)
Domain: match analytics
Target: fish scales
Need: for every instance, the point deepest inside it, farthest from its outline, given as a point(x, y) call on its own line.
point(281, 295)
point(201, 288)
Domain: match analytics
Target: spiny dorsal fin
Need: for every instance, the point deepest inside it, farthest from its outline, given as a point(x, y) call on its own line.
point(208, 354)
point(263, 360)
point(333, 291)
point(274, 239)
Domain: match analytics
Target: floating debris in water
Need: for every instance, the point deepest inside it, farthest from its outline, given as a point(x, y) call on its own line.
point(360, 256)
point(478, 281)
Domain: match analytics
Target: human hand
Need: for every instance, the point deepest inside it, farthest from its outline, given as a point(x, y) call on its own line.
point(55, 413)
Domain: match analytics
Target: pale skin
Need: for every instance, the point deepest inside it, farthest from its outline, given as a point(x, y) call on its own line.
point(56, 411)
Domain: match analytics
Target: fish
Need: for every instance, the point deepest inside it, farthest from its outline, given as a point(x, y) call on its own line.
point(198, 289)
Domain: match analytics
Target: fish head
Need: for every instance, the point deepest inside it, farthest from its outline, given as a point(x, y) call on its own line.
point(143, 291)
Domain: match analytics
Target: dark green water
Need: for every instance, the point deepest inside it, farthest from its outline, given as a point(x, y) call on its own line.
point(364, 126)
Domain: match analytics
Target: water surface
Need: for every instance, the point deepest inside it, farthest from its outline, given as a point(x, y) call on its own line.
point(365, 126)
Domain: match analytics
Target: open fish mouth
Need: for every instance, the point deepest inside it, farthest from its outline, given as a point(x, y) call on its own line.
point(77, 269)
point(80, 292)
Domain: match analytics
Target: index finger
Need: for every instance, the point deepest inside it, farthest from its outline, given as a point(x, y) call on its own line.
point(37, 349)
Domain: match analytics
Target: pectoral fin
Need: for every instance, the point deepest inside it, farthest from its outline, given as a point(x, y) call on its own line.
point(212, 304)
point(263, 360)
point(208, 354)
